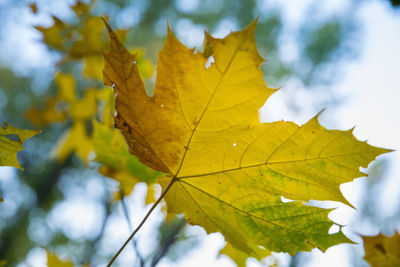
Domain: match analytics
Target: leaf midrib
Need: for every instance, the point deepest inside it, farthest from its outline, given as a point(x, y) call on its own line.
point(266, 164)
point(208, 104)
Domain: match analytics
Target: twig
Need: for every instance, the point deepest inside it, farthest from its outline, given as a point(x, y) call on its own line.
point(168, 243)
point(171, 182)
point(125, 209)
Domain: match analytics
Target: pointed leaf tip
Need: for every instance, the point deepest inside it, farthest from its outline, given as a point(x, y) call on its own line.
point(252, 25)
point(169, 30)
point(108, 27)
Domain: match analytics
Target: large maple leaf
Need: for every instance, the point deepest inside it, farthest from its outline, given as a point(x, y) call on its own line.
point(224, 169)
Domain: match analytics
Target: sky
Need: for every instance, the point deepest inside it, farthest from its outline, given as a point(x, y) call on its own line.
point(371, 85)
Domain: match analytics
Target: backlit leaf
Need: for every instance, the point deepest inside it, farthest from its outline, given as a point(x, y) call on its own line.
point(224, 169)
point(55, 36)
point(33, 8)
point(54, 261)
point(382, 251)
point(240, 257)
point(81, 111)
point(50, 114)
point(76, 140)
point(11, 140)
point(111, 150)
point(83, 38)
point(78, 40)
point(153, 191)
point(93, 65)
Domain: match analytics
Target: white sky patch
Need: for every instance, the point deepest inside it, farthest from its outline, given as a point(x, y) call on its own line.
point(225, 26)
point(276, 107)
point(23, 50)
point(373, 84)
point(210, 61)
point(187, 5)
point(334, 256)
point(77, 217)
point(206, 254)
point(36, 257)
point(189, 33)
point(128, 17)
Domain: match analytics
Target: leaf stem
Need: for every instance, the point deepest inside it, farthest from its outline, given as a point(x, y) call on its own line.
point(171, 182)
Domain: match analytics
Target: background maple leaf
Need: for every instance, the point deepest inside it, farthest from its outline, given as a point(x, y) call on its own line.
point(11, 139)
point(382, 250)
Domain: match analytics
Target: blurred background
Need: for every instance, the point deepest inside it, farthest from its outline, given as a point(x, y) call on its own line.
point(340, 56)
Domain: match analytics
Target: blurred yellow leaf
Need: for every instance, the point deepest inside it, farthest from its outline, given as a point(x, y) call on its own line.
point(93, 67)
point(55, 36)
point(33, 8)
point(382, 251)
point(54, 261)
point(11, 140)
point(81, 9)
point(127, 181)
point(85, 108)
point(81, 111)
point(224, 169)
point(93, 64)
point(153, 192)
point(90, 39)
point(76, 140)
point(144, 65)
point(240, 257)
point(50, 114)
point(66, 87)
point(76, 40)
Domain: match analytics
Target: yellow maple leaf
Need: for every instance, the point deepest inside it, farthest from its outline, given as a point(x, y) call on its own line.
point(50, 114)
point(224, 169)
point(90, 40)
point(76, 139)
point(81, 9)
point(56, 35)
point(382, 251)
point(9, 146)
point(76, 40)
